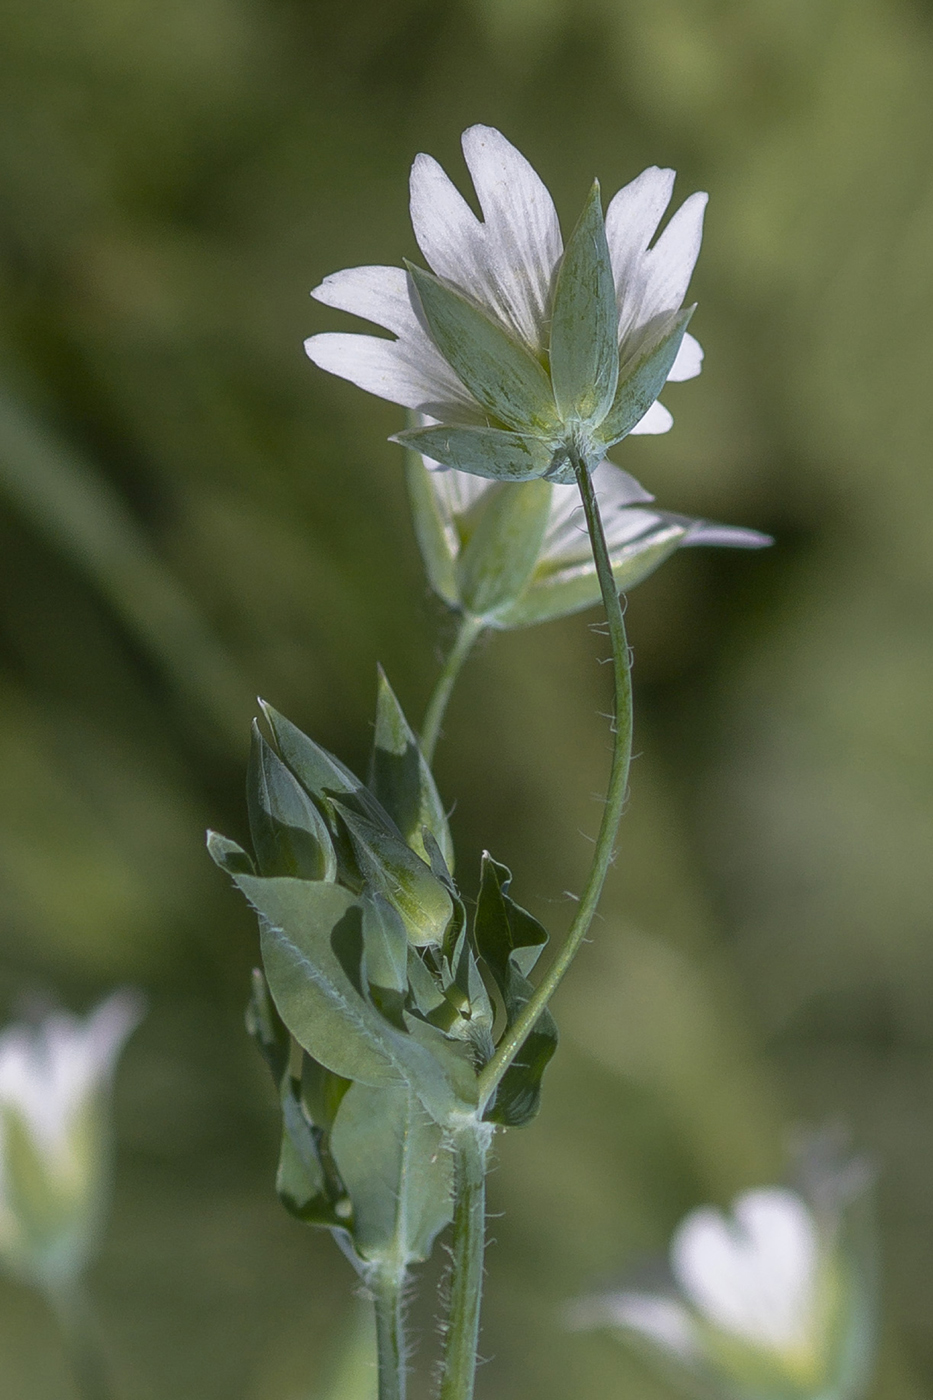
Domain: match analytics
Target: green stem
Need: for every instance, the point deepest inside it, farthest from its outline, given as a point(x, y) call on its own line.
point(471, 1146)
point(515, 1038)
point(79, 1335)
point(469, 631)
point(388, 1290)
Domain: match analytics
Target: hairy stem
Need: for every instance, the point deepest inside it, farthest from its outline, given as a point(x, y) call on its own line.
point(468, 632)
point(471, 1146)
point(515, 1038)
point(388, 1288)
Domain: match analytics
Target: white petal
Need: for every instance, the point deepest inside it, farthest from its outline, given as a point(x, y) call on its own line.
point(616, 487)
point(457, 492)
point(395, 370)
point(377, 294)
point(664, 1321)
point(669, 265)
point(754, 1277)
point(689, 360)
point(108, 1026)
point(631, 220)
point(656, 420)
point(522, 232)
point(732, 536)
point(566, 541)
point(447, 231)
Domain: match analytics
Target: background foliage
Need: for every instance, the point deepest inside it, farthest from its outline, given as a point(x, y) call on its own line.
point(189, 513)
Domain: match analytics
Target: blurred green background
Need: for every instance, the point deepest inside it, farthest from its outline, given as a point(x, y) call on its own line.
point(190, 513)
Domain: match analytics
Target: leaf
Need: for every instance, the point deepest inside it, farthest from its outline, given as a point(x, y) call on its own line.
point(385, 952)
point(585, 322)
point(437, 538)
point(487, 452)
point(397, 1170)
point(500, 373)
point(267, 1028)
point(567, 590)
point(501, 553)
point(640, 384)
point(510, 940)
point(304, 923)
point(289, 834)
point(401, 780)
point(228, 855)
point(305, 1186)
point(405, 880)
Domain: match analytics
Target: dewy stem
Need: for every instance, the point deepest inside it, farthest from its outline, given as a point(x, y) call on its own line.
point(515, 1038)
point(470, 1146)
point(387, 1286)
point(468, 632)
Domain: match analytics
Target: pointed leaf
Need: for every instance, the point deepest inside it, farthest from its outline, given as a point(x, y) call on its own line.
point(305, 927)
point(641, 383)
point(486, 452)
point(289, 834)
point(397, 1170)
point(503, 549)
point(401, 780)
point(585, 322)
point(385, 946)
point(406, 881)
point(267, 1028)
point(501, 374)
point(228, 855)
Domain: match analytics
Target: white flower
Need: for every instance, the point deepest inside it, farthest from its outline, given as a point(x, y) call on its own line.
point(54, 1135)
point(561, 575)
point(767, 1299)
point(506, 264)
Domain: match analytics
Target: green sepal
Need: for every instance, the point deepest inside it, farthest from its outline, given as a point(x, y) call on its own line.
point(641, 382)
point(400, 779)
point(510, 941)
point(437, 537)
point(500, 554)
point(500, 373)
point(397, 1170)
point(312, 943)
point(406, 881)
point(289, 834)
point(557, 593)
point(230, 857)
point(489, 452)
point(321, 774)
point(584, 352)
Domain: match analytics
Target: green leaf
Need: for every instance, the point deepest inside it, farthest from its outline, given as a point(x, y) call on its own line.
point(401, 780)
point(510, 940)
point(568, 590)
point(585, 322)
point(406, 881)
point(267, 1028)
point(501, 374)
point(437, 537)
point(641, 383)
point(289, 834)
point(486, 452)
point(228, 855)
point(309, 930)
point(397, 1170)
point(385, 952)
point(306, 1183)
point(502, 551)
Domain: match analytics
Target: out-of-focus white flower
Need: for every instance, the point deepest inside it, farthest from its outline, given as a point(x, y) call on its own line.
point(543, 525)
point(772, 1300)
point(55, 1136)
point(495, 345)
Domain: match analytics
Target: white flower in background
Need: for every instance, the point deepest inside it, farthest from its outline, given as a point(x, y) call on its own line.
point(518, 346)
point(771, 1300)
point(55, 1136)
point(559, 573)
